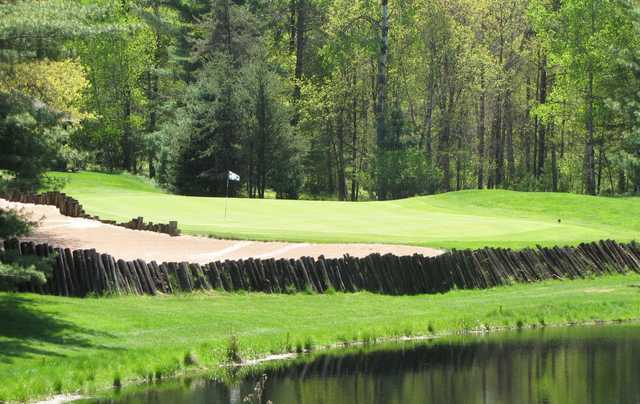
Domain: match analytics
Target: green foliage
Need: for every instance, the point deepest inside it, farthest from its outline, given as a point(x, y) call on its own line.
point(233, 350)
point(13, 225)
point(285, 93)
point(210, 140)
point(234, 118)
point(40, 97)
point(594, 45)
point(15, 273)
point(26, 151)
point(16, 270)
point(406, 173)
point(30, 27)
point(190, 359)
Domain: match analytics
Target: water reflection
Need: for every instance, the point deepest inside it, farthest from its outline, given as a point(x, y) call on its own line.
point(574, 365)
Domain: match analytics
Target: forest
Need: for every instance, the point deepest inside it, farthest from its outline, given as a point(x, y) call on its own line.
point(326, 99)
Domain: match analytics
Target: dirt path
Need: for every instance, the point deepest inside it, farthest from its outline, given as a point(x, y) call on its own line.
point(76, 233)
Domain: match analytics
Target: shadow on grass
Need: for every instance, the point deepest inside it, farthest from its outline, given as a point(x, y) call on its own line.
point(24, 328)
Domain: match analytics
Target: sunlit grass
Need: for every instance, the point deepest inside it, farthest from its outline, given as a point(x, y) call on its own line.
point(453, 220)
point(54, 344)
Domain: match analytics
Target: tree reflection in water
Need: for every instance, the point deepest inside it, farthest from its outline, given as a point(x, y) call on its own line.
point(570, 365)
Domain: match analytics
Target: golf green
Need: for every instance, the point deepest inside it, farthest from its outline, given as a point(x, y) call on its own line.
point(454, 220)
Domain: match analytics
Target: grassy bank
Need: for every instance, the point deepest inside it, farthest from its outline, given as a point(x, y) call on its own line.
point(53, 344)
point(458, 219)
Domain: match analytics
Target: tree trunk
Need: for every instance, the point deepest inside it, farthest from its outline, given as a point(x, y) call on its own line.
point(329, 160)
point(262, 128)
point(443, 154)
point(554, 168)
point(542, 152)
point(599, 172)
point(459, 156)
point(622, 182)
point(481, 129)
point(428, 124)
point(495, 176)
point(354, 142)
point(536, 125)
point(226, 20)
point(381, 141)
point(292, 25)
point(152, 122)
point(500, 132)
point(589, 153)
point(342, 178)
point(444, 143)
point(128, 159)
point(526, 133)
point(300, 21)
point(153, 92)
point(511, 163)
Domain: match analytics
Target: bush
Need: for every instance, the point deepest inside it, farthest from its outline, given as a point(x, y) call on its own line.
point(16, 270)
point(26, 150)
point(191, 359)
point(405, 173)
point(233, 350)
point(13, 224)
point(50, 183)
point(309, 344)
point(21, 271)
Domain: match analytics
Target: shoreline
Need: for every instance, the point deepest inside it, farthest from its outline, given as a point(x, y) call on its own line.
point(337, 347)
point(129, 340)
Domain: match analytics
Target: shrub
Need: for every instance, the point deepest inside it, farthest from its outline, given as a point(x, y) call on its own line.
point(330, 291)
point(14, 224)
point(233, 350)
point(287, 345)
point(15, 269)
point(308, 344)
point(117, 381)
point(190, 359)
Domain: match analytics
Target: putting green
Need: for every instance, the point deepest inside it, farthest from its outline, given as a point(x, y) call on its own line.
point(454, 220)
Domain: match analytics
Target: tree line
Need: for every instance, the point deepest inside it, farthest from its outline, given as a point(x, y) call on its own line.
point(326, 98)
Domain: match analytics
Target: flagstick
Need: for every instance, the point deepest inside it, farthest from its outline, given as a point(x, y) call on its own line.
point(226, 199)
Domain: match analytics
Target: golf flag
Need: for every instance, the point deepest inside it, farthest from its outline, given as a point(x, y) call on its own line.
point(233, 176)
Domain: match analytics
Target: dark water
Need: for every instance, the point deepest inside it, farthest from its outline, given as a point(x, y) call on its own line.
point(572, 365)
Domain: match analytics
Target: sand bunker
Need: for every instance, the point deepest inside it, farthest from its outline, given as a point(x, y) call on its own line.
point(77, 233)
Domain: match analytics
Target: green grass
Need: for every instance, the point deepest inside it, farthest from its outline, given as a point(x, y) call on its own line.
point(54, 344)
point(50, 345)
point(453, 220)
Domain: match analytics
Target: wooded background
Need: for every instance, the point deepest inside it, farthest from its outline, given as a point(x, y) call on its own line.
point(326, 98)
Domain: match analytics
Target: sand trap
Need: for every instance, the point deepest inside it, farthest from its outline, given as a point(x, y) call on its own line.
point(76, 233)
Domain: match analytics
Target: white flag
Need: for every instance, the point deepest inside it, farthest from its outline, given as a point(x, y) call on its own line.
point(233, 176)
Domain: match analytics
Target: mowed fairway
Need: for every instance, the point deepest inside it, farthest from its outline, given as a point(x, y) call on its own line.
point(454, 220)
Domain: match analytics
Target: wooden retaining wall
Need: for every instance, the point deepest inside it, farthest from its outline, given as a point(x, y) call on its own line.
point(69, 206)
point(83, 272)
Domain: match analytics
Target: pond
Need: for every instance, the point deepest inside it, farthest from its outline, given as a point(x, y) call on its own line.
point(597, 364)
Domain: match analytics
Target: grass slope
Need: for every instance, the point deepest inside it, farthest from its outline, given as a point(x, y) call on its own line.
point(54, 344)
point(453, 220)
